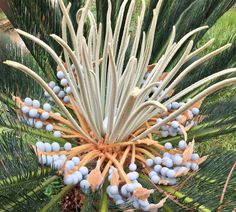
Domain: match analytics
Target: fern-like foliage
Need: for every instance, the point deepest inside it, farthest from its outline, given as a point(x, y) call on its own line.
point(22, 181)
point(203, 190)
point(17, 83)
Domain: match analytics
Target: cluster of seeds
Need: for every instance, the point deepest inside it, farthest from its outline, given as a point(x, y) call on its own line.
point(51, 156)
point(63, 90)
point(127, 193)
point(38, 117)
point(185, 120)
point(165, 169)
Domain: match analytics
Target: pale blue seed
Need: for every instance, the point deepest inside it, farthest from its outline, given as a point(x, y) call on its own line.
point(47, 107)
point(40, 145)
point(56, 89)
point(76, 160)
point(164, 171)
point(52, 84)
point(39, 124)
point(194, 167)
point(168, 146)
point(36, 104)
point(67, 146)
point(68, 180)
point(195, 156)
point(49, 127)
point(55, 147)
point(33, 113)
point(149, 162)
point(157, 160)
point(60, 74)
point(155, 179)
point(28, 101)
point(175, 124)
point(61, 94)
point(132, 167)
point(170, 173)
point(195, 111)
point(70, 165)
point(182, 144)
point(44, 116)
point(57, 134)
point(48, 147)
point(64, 82)
point(66, 99)
point(25, 109)
point(157, 168)
point(84, 170)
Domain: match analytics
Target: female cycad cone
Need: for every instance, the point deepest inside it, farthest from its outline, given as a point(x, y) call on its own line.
point(111, 104)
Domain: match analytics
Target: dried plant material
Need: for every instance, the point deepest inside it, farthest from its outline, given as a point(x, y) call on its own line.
point(200, 118)
point(170, 93)
point(95, 178)
point(115, 178)
point(163, 182)
point(189, 126)
point(182, 172)
point(184, 118)
point(184, 132)
point(151, 67)
point(201, 160)
point(198, 103)
point(142, 193)
point(188, 152)
point(154, 207)
point(163, 76)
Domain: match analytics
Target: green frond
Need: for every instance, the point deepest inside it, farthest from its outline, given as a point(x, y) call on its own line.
point(185, 15)
point(45, 21)
point(204, 190)
point(201, 191)
point(226, 59)
point(17, 83)
point(22, 181)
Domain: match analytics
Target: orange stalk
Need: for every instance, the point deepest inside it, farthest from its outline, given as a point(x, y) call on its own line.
point(133, 154)
point(19, 103)
point(119, 167)
point(73, 136)
point(82, 121)
point(84, 148)
point(124, 156)
point(108, 165)
point(144, 151)
point(88, 157)
point(150, 149)
point(149, 135)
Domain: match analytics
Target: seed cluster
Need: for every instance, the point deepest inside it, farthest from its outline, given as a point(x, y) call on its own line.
point(63, 90)
point(167, 167)
point(164, 168)
point(186, 119)
point(35, 116)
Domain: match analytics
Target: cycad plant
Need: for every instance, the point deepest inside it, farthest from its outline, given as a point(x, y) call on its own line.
point(106, 116)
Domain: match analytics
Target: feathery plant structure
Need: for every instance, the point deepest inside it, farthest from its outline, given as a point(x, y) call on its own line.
point(114, 105)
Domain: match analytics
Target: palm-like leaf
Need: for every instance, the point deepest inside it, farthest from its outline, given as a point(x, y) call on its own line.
point(22, 181)
point(203, 190)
